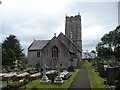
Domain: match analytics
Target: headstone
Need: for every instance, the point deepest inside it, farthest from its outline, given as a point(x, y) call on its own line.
point(112, 75)
point(45, 79)
point(119, 74)
point(112, 58)
point(58, 79)
point(70, 69)
point(101, 70)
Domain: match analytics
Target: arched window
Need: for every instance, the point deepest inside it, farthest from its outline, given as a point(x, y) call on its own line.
point(55, 52)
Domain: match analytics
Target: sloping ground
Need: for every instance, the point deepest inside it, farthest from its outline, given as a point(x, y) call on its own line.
point(81, 80)
point(94, 78)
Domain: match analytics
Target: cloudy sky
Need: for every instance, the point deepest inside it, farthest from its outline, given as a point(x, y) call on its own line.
point(40, 19)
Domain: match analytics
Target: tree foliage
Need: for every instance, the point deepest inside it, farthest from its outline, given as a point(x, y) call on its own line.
point(8, 57)
point(110, 44)
point(11, 50)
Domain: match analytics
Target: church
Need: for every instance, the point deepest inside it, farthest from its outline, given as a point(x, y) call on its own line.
point(63, 49)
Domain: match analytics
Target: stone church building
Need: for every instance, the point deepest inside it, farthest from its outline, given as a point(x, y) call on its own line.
point(62, 49)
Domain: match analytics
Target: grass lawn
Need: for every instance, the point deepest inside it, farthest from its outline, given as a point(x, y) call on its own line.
point(2, 82)
point(66, 84)
point(94, 78)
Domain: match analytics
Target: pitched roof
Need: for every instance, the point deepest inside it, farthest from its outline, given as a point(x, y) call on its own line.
point(38, 44)
point(67, 41)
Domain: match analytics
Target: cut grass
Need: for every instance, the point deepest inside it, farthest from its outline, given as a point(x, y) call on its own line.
point(94, 78)
point(4, 82)
point(66, 84)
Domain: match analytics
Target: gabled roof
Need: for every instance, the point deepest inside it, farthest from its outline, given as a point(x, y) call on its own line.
point(38, 44)
point(67, 41)
point(63, 43)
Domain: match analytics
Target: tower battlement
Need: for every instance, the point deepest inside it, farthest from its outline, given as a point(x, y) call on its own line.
point(70, 18)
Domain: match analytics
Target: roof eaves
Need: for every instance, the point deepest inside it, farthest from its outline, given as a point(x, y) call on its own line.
point(31, 44)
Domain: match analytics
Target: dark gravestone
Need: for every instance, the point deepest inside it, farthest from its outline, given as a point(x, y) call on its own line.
point(101, 70)
point(119, 74)
point(70, 69)
point(112, 75)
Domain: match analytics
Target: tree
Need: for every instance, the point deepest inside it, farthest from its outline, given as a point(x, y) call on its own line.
point(8, 57)
point(117, 52)
point(11, 50)
point(110, 44)
point(12, 42)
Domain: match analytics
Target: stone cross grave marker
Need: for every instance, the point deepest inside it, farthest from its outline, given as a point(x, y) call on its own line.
point(58, 79)
point(44, 78)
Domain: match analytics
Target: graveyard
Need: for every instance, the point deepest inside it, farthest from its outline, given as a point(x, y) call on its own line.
point(32, 77)
point(104, 73)
point(101, 73)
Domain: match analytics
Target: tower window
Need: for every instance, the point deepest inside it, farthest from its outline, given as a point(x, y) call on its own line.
point(55, 52)
point(38, 54)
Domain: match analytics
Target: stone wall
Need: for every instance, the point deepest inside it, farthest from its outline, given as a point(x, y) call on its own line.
point(33, 59)
point(63, 54)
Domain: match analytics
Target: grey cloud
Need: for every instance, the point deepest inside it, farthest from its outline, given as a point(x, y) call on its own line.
point(29, 22)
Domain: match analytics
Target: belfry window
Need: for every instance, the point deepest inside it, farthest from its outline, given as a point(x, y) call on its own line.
point(55, 52)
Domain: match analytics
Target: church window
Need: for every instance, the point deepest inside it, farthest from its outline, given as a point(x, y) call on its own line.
point(38, 54)
point(54, 51)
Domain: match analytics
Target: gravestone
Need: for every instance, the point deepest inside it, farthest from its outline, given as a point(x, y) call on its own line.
point(112, 58)
point(70, 69)
point(112, 75)
point(119, 74)
point(101, 70)
point(58, 79)
point(45, 79)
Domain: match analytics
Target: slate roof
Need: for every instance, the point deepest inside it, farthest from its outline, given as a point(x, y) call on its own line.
point(67, 41)
point(38, 44)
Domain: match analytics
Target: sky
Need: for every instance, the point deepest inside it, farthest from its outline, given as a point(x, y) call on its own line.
point(40, 19)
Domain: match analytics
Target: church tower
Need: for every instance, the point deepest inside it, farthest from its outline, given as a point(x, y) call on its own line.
point(73, 30)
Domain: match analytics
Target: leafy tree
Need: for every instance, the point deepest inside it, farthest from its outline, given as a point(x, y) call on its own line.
point(117, 52)
point(11, 50)
point(23, 59)
point(110, 44)
point(12, 42)
point(8, 57)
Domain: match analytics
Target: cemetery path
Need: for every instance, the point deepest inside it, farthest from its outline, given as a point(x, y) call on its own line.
point(81, 80)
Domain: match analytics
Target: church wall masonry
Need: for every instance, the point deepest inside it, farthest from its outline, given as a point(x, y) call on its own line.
point(60, 49)
point(63, 55)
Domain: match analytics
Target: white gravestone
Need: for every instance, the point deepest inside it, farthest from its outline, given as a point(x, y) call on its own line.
point(58, 79)
point(45, 79)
